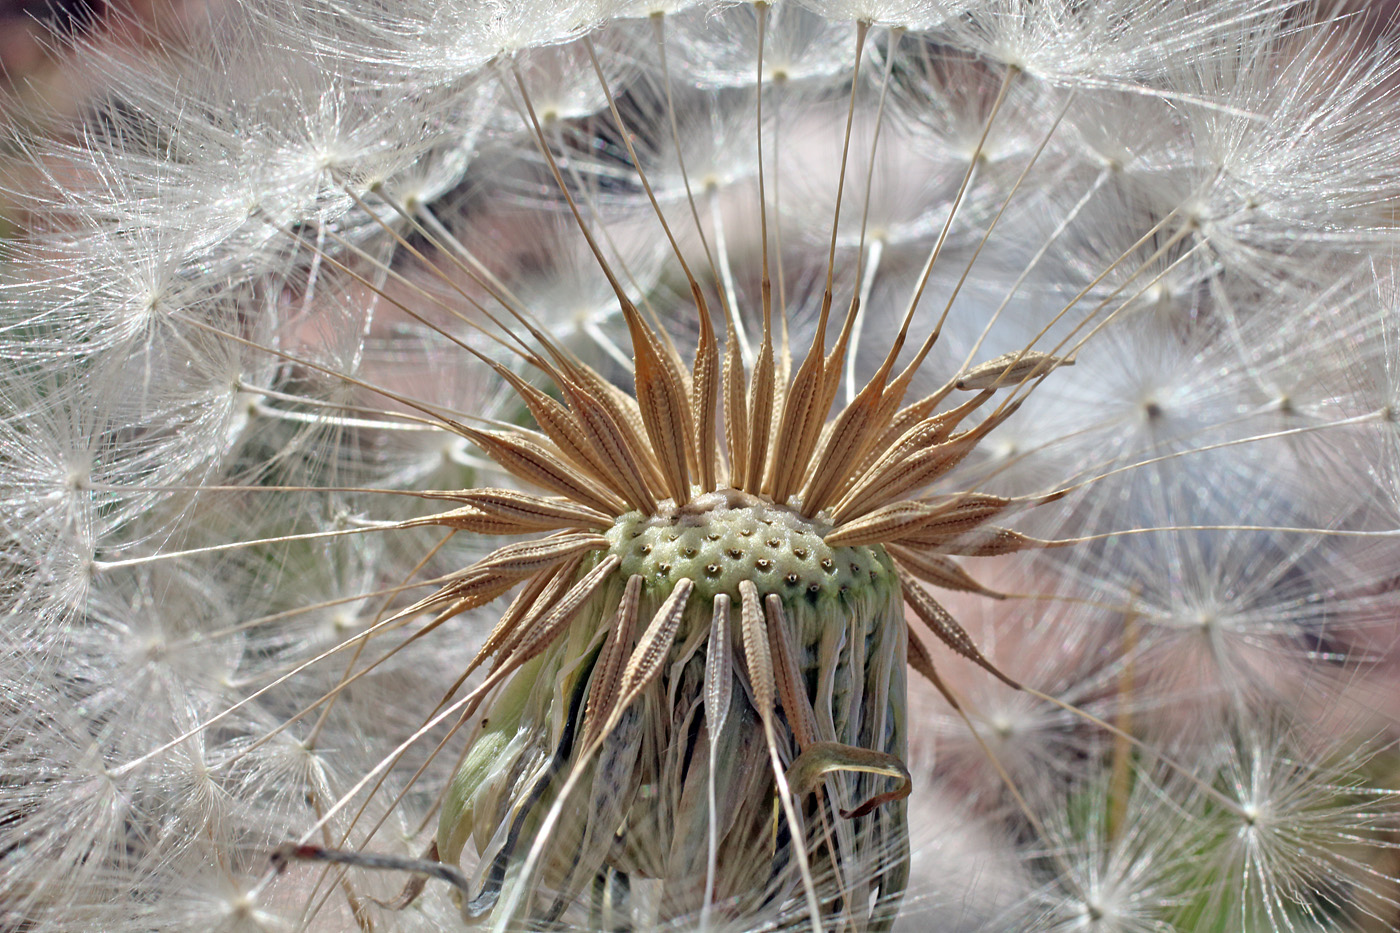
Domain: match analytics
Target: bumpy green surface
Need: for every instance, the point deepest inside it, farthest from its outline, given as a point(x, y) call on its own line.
point(724, 537)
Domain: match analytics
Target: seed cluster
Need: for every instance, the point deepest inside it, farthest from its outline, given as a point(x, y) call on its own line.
point(723, 537)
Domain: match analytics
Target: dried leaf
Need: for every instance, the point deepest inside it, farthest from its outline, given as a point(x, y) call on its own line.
point(819, 759)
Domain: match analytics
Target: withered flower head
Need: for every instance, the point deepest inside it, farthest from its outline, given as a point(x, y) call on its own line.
point(696, 702)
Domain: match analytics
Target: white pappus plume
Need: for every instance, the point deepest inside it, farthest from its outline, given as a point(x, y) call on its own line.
point(816, 465)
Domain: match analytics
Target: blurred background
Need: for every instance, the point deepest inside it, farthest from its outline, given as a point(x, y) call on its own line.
point(43, 81)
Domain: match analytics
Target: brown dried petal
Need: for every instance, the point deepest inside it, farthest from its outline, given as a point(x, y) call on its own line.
point(607, 672)
point(661, 398)
point(1010, 369)
point(802, 719)
point(942, 572)
point(559, 425)
point(508, 512)
point(761, 401)
point(922, 663)
point(534, 599)
point(719, 673)
point(800, 426)
point(654, 646)
point(704, 381)
point(993, 541)
point(523, 558)
point(530, 462)
point(884, 524)
point(609, 440)
point(840, 448)
point(540, 635)
point(945, 626)
point(757, 658)
point(902, 477)
point(736, 416)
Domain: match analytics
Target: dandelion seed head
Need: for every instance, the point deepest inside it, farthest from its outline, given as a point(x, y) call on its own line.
point(501, 463)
